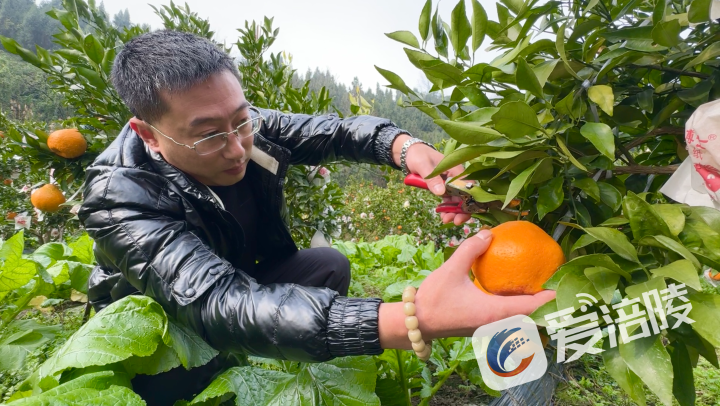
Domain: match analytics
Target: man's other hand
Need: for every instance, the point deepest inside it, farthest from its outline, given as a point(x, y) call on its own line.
point(422, 160)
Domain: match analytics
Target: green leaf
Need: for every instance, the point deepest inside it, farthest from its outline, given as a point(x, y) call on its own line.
point(667, 33)
point(578, 265)
point(396, 81)
point(603, 96)
point(481, 196)
point(631, 33)
point(516, 120)
point(623, 375)
point(82, 249)
point(439, 35)
point(479, 24)
point(406, 37)
point(690, 337)
point(683, 384)
point(699, 11)
point(672, 215)
point(645, 100)
point(480, 116)
point(583, 241)
point(460, 30)
point(659, 11)
point(589, 186)
point(526, 79)
point(191, 349)
point(93, 48)
point(570, 286)
point(682, 271)
point(103, 388)
point(458, 157)
point(134, 325)
point(162, 360)
point(644, 220)
point(342, 381)
point(560, 46)
point(424, 24)
point(601, 136)
point(611, 197)
point(637, 290)
point(614, 221)
point(468, 132)
point(520, 181)
point(550, 196)
point(538, 316)
point(650, 361)
point(60, 272)
point(698, 94)
point(544, 70)
point(569, 155)
point(616, 240)
point(705, 310)
point(711, 52)
point(604, 280)
point(476, 96)
point(661, 241)
point(669, 109)
point(15, 271)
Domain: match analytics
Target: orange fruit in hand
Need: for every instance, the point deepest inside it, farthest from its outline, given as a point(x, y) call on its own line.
point(519, 260)
point(67, 143)
point(48, 198)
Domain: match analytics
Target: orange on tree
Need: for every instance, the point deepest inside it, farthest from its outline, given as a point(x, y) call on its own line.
point(11, 215)
point(68, 143)
point(48, 198)
point(519, 260)
point(8, 181)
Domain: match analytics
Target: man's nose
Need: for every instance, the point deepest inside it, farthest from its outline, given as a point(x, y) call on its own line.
point(234, 148)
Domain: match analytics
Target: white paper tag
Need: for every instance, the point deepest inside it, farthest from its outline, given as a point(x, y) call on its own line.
point(263, 159)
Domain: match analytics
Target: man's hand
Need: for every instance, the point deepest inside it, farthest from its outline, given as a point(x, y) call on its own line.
point(448, 304)
point(422, 160)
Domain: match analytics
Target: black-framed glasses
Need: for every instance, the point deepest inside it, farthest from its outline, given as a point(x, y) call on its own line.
point(216, 142)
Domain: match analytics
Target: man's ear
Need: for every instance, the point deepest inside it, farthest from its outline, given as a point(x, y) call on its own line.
point(144, 131)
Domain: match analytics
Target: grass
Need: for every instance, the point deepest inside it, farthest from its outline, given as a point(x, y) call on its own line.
point(70, 320)
point(589, 384)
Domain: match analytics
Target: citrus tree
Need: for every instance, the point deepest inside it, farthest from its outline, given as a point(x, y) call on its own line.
point(79, 72)
point(581, 116)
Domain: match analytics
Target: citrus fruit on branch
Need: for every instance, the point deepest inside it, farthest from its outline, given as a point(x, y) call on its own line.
point(48, 198)
point(519, 260)
point(67, 143)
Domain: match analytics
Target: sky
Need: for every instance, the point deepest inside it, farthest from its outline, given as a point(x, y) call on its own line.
point(345, 37)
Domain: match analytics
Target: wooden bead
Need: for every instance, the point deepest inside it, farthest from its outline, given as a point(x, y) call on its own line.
point(411, 322)
point(410, 289)
point(414, 335)
point(408, 295)
point(419, 346)
point(409, 308)
point(425, 354)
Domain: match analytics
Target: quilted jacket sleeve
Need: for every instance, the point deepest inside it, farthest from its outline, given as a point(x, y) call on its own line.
point(320, 139)
point(163, 259)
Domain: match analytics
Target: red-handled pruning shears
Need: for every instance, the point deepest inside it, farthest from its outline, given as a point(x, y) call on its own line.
point(461, 188)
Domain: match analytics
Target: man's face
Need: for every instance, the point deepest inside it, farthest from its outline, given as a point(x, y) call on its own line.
point(214, 106)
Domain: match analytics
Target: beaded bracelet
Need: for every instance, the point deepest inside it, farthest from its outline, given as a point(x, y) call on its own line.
point(422, 350)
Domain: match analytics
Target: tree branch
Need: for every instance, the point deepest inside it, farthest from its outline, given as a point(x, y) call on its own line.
point(671, 70)
point(658, 131)
point(642, 169)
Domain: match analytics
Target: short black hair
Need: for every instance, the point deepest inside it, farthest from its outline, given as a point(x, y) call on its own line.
point(166, 60)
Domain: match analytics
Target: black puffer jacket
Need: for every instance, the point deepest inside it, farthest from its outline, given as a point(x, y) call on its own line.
point(160, 233)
